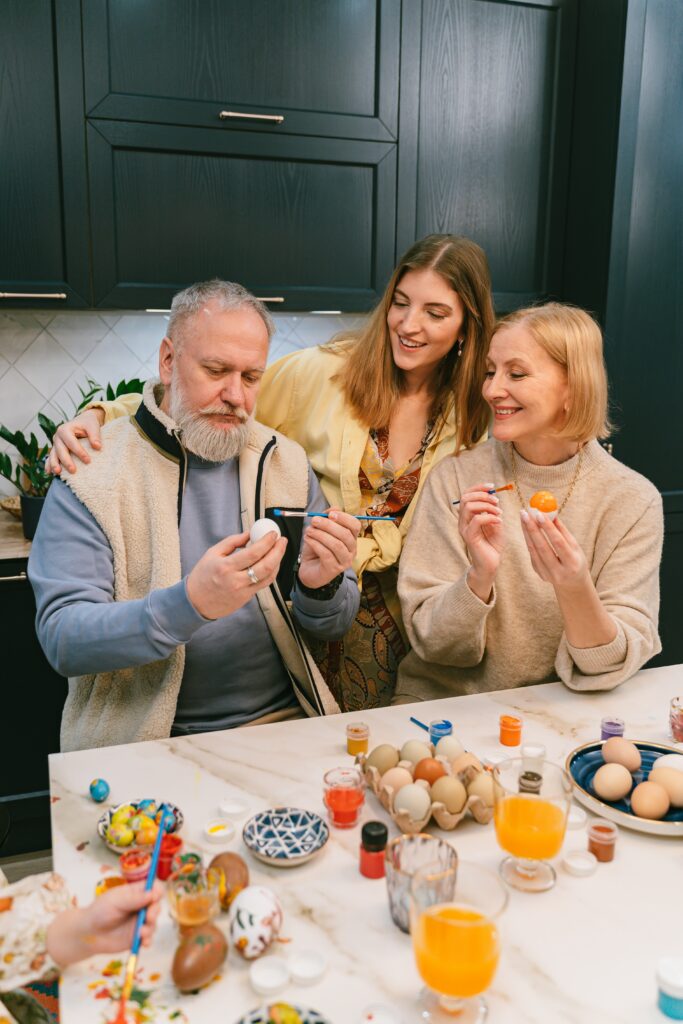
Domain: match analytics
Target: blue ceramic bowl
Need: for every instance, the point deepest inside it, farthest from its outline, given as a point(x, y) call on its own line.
point(583, 763)
point(285, 836)
point(262, 1017)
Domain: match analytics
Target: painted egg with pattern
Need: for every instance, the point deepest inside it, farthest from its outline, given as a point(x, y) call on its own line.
point(255, 920)
point(99, 790)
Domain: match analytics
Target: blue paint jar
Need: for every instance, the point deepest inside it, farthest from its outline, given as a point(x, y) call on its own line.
point(670, 984)
point(611, 726)
point(439, 728)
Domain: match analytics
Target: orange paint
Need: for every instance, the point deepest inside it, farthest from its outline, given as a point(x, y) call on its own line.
point(456, 949)
point(544, 501)
point(529, 827)
point(510, 730)
point(344, 805)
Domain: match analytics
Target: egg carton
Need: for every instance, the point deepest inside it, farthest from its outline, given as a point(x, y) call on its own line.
point(475, 805)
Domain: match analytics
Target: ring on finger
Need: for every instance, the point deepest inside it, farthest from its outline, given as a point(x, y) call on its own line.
point(253, 578)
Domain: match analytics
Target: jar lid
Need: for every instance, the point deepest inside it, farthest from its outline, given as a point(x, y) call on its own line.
point(233, 807)
point(269, 975)
point(307, 967)
point(670, 976)
point(440, 728)
point(374, 835)
point(220, 830)
point(580, 863)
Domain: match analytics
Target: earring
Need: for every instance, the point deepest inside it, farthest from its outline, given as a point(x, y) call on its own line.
point(461, 342)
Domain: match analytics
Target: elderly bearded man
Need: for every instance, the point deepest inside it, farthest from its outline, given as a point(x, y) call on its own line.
point(150, 596)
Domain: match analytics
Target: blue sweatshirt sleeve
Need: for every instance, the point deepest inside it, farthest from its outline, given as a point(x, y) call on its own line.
point(330, 619)
point(80, 626)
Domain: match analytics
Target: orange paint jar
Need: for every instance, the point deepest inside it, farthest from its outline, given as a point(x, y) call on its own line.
point(602, 837)
point(510, 730)
point(357, 738)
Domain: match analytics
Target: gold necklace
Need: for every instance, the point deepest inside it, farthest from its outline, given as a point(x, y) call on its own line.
point(572, 485)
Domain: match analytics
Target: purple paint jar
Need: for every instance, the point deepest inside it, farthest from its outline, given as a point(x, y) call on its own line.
point(611, 727)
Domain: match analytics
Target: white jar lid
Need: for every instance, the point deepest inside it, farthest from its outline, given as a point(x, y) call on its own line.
point(233, 807)
point(670, 976)
point(268, 975)
point(219, 831)
point(306, 967)
point(580, 863)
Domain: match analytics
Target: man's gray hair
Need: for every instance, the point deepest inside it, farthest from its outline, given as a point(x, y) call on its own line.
point(227, 294)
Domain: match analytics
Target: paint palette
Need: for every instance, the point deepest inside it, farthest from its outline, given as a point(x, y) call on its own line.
point(285, 836)
point(263, 1016)
point(583, 763)
point(119, 818)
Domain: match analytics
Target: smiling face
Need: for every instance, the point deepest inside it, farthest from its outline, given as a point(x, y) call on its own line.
point(211, 376)
point(525, 387)
point(425, 320)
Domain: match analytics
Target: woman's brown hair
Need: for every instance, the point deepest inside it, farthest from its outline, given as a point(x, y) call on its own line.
point(372, 382)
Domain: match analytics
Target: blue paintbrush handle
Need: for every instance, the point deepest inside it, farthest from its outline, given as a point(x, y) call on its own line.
point(421, 724)
point(149, 882)
point(326, 515)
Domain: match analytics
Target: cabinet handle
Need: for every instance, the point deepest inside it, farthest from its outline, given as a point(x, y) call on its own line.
point(33, 295)
point(15, 579)
point(273, 118)
point(275, 298)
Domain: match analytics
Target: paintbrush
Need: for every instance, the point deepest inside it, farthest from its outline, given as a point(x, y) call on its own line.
point(326, 515)
point(493, 490)
point(129, 976)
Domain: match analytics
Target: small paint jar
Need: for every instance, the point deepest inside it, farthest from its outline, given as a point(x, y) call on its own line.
point(357, 738)
point(602, 837)
point(373, 842)
point(530, 782)
point(676, 718)
point(533, 756)
point(611, 726)
point(135, 865)
point(186, 864)
point(510, 730)
point(438, 728)
point(171, 845)
point(670, 985)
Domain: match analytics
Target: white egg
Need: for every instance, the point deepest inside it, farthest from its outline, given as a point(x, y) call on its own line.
point(413, 799)
point(449, 747)
point(261, 527)
point(415, 750)
point(670, 761)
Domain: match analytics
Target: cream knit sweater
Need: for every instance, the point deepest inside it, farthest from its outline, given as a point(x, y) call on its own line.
point(461, 645)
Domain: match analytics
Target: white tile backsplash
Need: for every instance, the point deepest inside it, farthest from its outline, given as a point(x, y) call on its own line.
point(44, 356)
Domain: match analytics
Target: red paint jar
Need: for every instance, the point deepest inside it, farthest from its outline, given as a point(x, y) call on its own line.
point(373, 842)
point(135, 865)
point(344, 794)
point(170, 846)
point(602, 837)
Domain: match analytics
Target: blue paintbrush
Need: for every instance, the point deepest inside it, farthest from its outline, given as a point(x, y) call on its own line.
point(326, 515)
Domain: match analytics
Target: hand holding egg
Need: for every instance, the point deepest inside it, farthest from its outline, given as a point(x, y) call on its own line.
point(555, 554)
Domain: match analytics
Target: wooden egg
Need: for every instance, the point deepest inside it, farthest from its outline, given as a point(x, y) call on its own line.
point(233, 876)
point(199, 955)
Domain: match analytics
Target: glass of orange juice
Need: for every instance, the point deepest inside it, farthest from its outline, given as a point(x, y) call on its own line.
point(456, 944)
point(530, 815)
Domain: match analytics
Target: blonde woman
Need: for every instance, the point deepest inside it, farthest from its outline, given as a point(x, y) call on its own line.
point(496, 594)
point(375, 411)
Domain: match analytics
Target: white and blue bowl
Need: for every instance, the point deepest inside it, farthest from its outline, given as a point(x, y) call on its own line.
point(285, 836)
point(583, 763)
point(262, 1016)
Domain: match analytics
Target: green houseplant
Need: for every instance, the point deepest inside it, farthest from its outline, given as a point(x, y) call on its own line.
point(27, 473)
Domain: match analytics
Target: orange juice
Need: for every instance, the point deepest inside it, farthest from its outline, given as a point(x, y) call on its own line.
point(456, 949)
point(529, 827)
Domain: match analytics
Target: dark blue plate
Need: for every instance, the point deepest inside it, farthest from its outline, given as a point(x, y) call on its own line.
point(583, 763)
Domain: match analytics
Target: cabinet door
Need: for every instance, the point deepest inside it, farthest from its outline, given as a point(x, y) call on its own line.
point(43, 233)
point(308, 223)
point(485, 133)
point(310, 67)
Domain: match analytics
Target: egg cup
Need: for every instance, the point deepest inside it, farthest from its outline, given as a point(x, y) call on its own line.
point(465, 768)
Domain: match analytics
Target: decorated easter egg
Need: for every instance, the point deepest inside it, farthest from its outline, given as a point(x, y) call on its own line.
point(544, 502)
point(233, 876)
point(120, 834)
point(255, 920)
point(122, 815)
point(147, 835)
point(201, 952)
point(99, 790)
point(261, 528)
point(148, 807)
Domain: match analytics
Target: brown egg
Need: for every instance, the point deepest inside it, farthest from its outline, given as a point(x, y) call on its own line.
point(199, 955)
point(482, 786)
point(233, 876)
point(650, 800)
point(612, 781)
point(466, 760)
point(671, 780)
point(429, 769)
point(450, 792)
point(617, 750)
point(382, 758)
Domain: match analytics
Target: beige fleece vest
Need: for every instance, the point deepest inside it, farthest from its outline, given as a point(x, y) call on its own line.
point(131, 490)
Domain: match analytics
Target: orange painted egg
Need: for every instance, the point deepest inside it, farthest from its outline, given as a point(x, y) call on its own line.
point(429, 769)
point(544, 501)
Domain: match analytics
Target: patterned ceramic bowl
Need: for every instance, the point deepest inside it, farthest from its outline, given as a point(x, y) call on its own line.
point(106, 820)
point(285, 836)
point(262, 1016)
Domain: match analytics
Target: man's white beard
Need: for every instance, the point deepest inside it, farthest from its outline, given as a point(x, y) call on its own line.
point(213, 444)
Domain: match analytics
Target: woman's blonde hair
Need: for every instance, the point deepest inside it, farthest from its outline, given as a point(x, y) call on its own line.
point(573, 339)
point(370, 379)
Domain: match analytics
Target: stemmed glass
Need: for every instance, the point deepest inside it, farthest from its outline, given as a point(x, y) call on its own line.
point(530, 814)
point(456, 944)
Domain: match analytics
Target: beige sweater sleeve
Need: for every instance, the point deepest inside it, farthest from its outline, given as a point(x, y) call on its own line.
point(628, 586)
point(445, 621)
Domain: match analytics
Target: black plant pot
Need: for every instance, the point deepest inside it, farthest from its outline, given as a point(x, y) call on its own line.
point(31, 508)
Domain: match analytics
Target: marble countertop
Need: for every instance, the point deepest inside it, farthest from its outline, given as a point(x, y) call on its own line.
point(584, 952)
point(13, 544)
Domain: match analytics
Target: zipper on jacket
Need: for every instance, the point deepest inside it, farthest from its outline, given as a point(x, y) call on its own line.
point(182, 478)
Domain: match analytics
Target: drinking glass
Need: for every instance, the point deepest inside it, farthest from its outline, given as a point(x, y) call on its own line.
point(344, 795)
point(456, 943)
point(403, 858)
point(193, 897)
point(530, 825)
